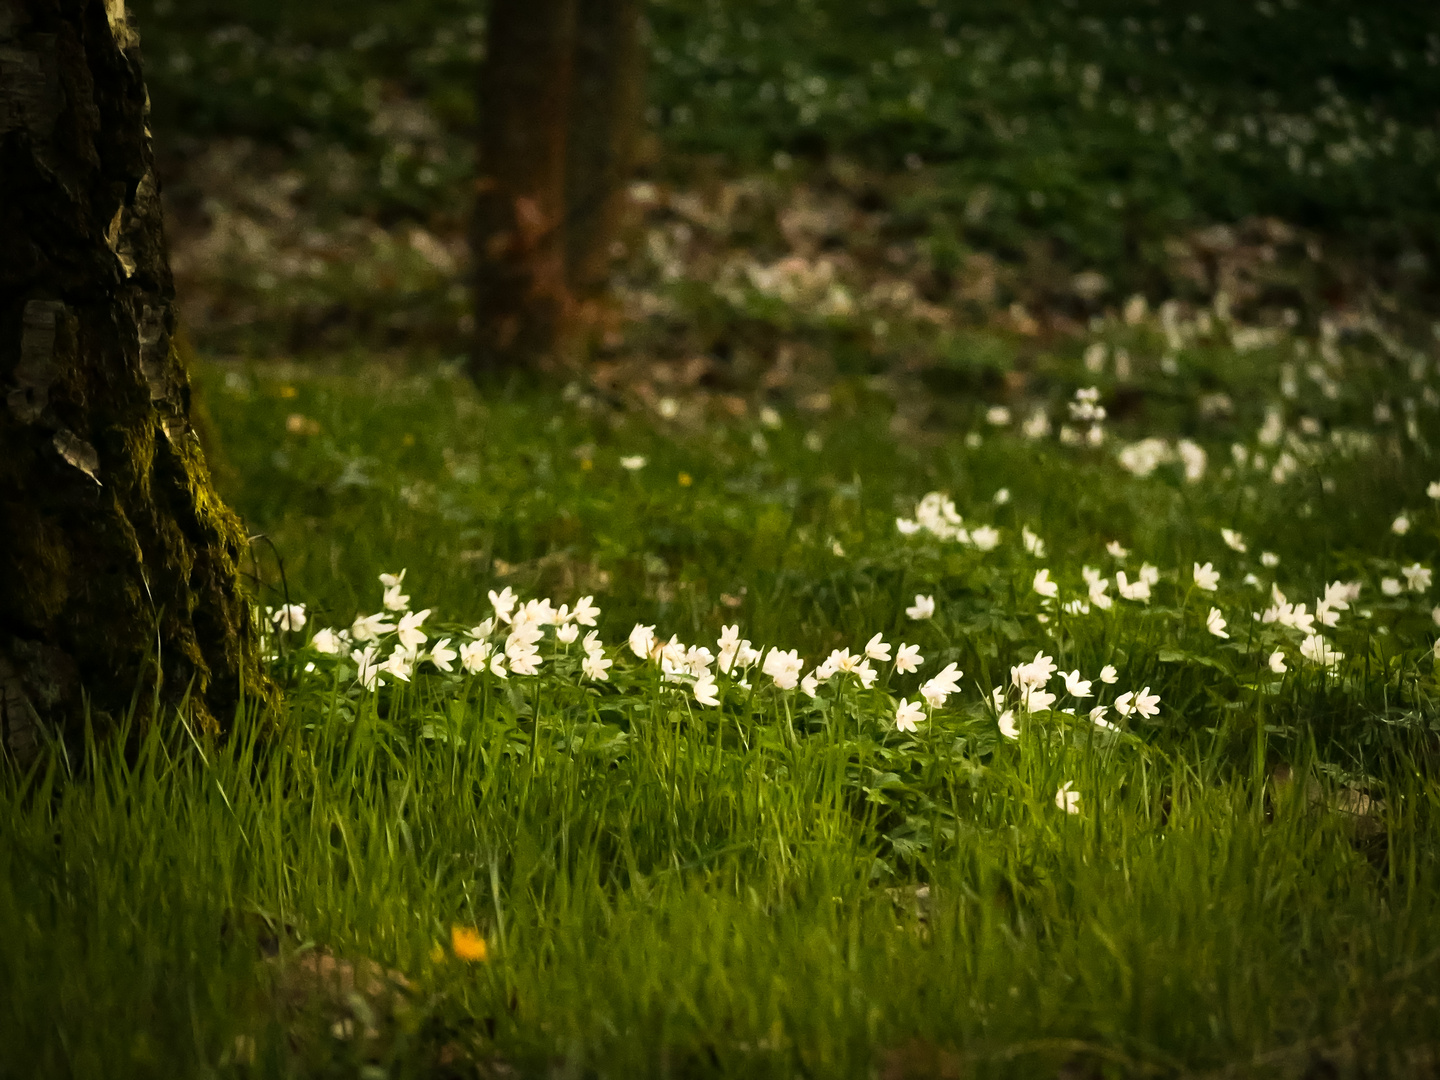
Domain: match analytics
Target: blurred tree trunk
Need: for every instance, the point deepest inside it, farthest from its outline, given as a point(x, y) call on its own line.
point(119, 562)
point(604, 130)
point(522, 302)
point(560, 103)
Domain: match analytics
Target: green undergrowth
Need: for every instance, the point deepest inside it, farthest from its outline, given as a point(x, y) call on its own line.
point(783, 884)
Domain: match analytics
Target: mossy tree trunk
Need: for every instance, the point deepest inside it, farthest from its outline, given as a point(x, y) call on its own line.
point(560, 103)
point(119, 565)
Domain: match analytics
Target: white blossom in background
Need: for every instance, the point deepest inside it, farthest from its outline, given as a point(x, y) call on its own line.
point(369, 627)
point(1277, 662)
point(1008, 727)
point(1143, 702)
point(594, 666)
point(1033, 544)
point(1318, 651)
point(474, 654)
point(1116, 550)
point(1043, 585)
point(327, 641)
point(408, 630)
point(632, 462)
point(1001, 497)
point(1400, 526)
point(923, 608)
point(642, 641)
point(1206, 577)
point(1417, 579)
point(503, 602)
point(985, 538)
point(1433, 489)
point(1097, 717)
point(1138, 591)
point(1233, 540)
point(566, 633)
point(1192, 459)
point(1075, 686)
point(877, 649)
point(706, 691)
point(1068, 799)
point(289, 617)
point(1215, 623)
point(1108, 675)
point(1391, 586)
point(783, 667)
point(1269, 560)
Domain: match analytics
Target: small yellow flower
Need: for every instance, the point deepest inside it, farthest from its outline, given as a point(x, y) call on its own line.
point(685, 480)
point(289, 392)
point(468, 944)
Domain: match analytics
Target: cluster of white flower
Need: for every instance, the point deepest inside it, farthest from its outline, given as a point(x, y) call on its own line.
point(1028, 683)
point(1144, 457)
point(936, 514)
point(1339, 595)
point(1085, 409)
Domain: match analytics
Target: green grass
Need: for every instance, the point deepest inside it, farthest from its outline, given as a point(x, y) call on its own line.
point(670, 889)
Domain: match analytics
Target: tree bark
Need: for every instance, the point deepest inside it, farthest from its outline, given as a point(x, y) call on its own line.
point(119, 565)
point(605, 106)
point(522, 303)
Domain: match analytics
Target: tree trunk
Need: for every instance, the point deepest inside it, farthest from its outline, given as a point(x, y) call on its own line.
point(119, 581)
point(605, 109)
point(522, 303)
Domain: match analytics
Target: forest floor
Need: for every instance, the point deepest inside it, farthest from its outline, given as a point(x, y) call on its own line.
point(932, 639)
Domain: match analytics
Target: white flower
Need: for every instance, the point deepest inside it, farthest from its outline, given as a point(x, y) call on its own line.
point(1008, 727)
point(368, 669)
point(1433, 489)
point(1108, 675)
point(876, 649)
point(907, 526)
point(706, 691)
point(594, 665)
point(1206, 577)
point(1066, 799)
point(632, 462)
point(1001, 497)
point(391, 580)
point(1116, 551)
point(1144, 702)
point(1391, 586)
point(1192, 458)
point(866, 674)
point(810, 685)
point(783, 667)
point(1318, 651)
point(473, 655)
point(503, 602)
point(1033, 699)
point(1435, 614)
point(585, 611)
point(908, 715)
point(1400, 526)
point(1149, 574)
point(1098, 586)
point(1269, 559)
point(292, 616)
point(400, 663)
point(1277, 662)
point(985, 538)
point(997, 415)
point(442, 656)
point(947, 682)
point(327, 641)
point(1043, 585)
point(567, 633)
point(409, 633)
point(1097, 717)
point(497, 666)
point(908, 659)
point(923, 608)
point(1417, 578)
point(642, 641)
point(1036, 673)
point(1215, 623)
point(395, 600)
point(1233, 540)
point(535, 613)
point(1075, 686)
point(1033, 544)
point(1136, 590)
point(369, 627)
point(483, 630)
